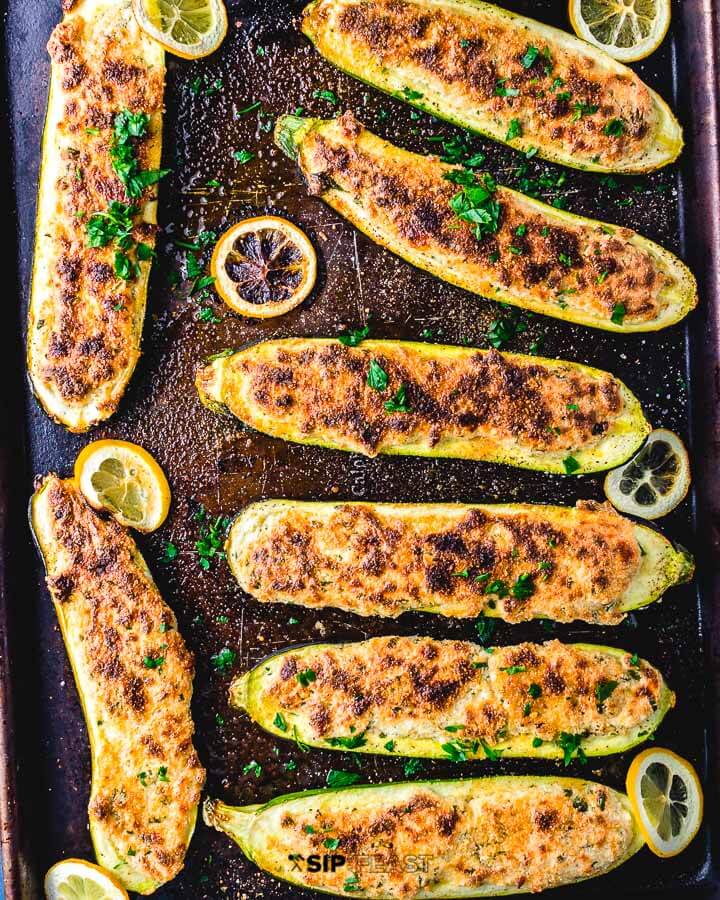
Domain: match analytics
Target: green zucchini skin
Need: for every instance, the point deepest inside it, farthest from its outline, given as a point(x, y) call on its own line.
point(463, 265)
point(247, 692)
point(271, 834)
point(430, 92)
point(223, 387)
point(661, 564)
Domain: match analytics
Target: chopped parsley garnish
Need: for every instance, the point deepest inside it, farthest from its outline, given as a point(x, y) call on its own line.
point(614, 128)
point(154, 662)
point(571, 465)
point(248, 109)
point(534, 690)
point(279, 722)
point(572, 407)
point(476, 205)
point(389, 746)
point(352, 884)
point(349, 743)
point(252, 768)
point(580, 110)
point(410, 94)
point(331, 843)
point(114, 224)
point(162, 774)
point(129, 126)
point(514, 130)
point(498, 587)
point(377, 376)
point(603, 690)
point(399, 402)
point(529, 57)
point(504, 329)
point(224, 660)
point(489, 752)
point(328, 95)
point(337, 778)
point(243, 156)
point(209, 545)
point(301, 745)
point(412, 767)
point(570, 746)
point(523, 587)
point(514, 670)
point(618, 313)
point(456, 750)
point(502, 91)
point(306, 677)
point(485, 628)
point(170, 552)
point(537, 742)
point(354, 337)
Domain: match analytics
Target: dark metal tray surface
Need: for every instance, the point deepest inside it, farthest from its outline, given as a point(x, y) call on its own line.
point(212, 461)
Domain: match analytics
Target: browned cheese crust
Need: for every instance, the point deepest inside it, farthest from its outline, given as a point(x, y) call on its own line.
point(118, 629)
point(375, 563)
point(418, 687)
point(324, 389)
point(564, 264)
point(534, 838)
point(477, 57)
point(87, 329)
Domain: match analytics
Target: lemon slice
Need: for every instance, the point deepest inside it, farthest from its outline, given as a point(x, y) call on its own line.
point(628, 30)
point(667, 800)
point(264, 267)
point(75, 879)
point(125, 480)
point(655, 480)
point(188, 28)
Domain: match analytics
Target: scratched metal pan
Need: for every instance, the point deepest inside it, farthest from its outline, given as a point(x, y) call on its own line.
point(211, 460)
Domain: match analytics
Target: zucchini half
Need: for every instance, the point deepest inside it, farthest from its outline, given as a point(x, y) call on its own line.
point(315, 407)
point(85, 323)
point(476, 837)
point(345, 560)
point(402, 201)
point(407, 714)
point(465, 53)
point(133, 674)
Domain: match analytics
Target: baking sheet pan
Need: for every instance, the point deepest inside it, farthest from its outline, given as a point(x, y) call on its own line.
point(213, 462)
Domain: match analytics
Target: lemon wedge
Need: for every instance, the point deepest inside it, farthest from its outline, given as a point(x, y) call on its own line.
point(264, 267)
point(655, 480)
point(187, 28)
point(628, 30)
point(75, 879)
point(667, 800)
point(125, 480)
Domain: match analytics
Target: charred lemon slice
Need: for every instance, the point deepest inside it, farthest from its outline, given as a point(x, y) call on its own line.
point(75, 879)
point(667, 800)
point(264, 267)
point(187, 28)
point(628, 30)
point(125, 480)
point(655, 480)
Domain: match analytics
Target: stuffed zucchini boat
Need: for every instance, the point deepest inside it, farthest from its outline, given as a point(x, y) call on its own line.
point(415, 399)
point(415, 696)
point(488, 239)
point(96, 213)
point(502, 75)
point(511, 561)
point(133, 674)
point(476, 837)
